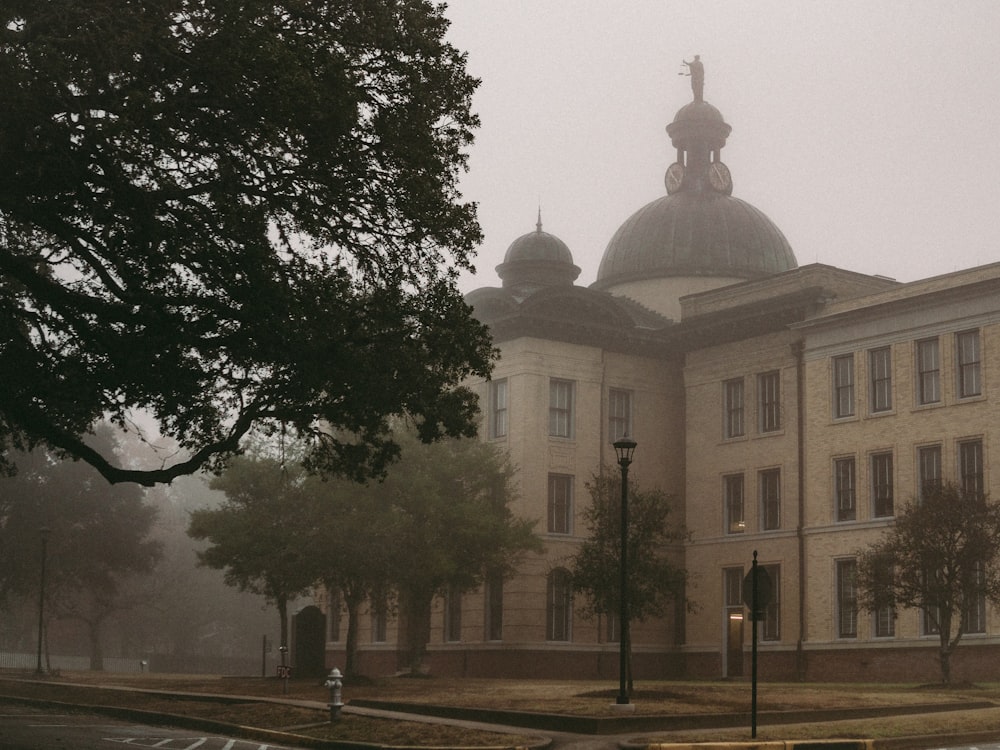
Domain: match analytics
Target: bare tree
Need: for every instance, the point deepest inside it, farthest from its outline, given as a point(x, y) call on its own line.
point(941, 556)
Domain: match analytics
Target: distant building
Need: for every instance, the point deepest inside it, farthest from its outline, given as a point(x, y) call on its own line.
point(789, 410)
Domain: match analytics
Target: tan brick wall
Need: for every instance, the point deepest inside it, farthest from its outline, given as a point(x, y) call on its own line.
point(711, 457)
point(902, 430)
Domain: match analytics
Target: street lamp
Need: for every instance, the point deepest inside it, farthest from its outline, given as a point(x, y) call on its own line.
point(43, 533)
point(624, 448)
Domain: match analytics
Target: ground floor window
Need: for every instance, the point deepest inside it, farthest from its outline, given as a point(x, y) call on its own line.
point(560, 607)
point(771, 625)
point(847, 599)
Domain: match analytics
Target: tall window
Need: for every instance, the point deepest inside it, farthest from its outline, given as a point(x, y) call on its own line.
point(732, 393)
point(772, 614)
point(843, 386)
point(619, 414)
point(733, 583)
point(498, 408)
point(560, 503)
point(453, 614)
point(769, 401)
point(929, 621)
point(847, 599)
point(733, 490)
point(928, 371)
point(882, 489)
point(380, 620)
point(880, 379)
point(884, 616)
point(561, 408)
point(885, 622)
point(770, 499)
point(560, 606)
point(928, 468)
point(612, 630)
point(970, 466)
point(975, 608)
point(968, 371)
point(845, 489)
point(494, 606)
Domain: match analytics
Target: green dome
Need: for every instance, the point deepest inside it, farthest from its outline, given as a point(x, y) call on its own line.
point(701, 233)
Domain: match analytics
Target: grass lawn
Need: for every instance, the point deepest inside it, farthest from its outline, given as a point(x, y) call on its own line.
point(578, 698)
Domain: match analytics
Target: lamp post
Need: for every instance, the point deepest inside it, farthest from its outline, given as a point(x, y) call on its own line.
point(624, 448)
point(43, 533)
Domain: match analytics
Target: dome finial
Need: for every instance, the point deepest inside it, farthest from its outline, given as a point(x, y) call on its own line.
point(696, 69)
point(538, 224)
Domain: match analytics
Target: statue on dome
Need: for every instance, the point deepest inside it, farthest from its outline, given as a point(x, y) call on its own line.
point(697, 72)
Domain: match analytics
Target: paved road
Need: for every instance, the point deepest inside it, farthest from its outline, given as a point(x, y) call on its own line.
point(30, 728)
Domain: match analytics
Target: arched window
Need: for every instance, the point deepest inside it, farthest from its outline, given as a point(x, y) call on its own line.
point(559, 606)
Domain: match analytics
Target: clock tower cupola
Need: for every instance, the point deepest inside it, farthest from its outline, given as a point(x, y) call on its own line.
point(698, 236)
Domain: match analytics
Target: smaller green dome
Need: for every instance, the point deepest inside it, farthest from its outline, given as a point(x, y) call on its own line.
point(536, 260)
point(538, 245)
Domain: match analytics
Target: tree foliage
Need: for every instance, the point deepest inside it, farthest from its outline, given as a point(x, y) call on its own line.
point(654, 579)
point(260, 537)
point(440, 518)
point(941, 556)
point(353, 545)
point(227, 215)
point(451, 526)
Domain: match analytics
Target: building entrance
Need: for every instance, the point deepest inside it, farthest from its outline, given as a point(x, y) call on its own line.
point(734, 643)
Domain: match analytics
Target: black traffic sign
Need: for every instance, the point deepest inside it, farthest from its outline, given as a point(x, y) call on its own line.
point(765, 591)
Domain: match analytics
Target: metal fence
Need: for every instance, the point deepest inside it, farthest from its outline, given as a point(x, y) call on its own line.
point(162, 663)
point(9, 660)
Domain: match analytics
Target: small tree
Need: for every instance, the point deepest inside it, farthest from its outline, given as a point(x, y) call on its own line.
point(451, 524)
point(99, 539)
point(655, 580)
point(258, 536)
point(352, 548)
point(941, 556)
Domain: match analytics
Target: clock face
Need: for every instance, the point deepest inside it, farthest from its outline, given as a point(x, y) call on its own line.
point(674, 178)
point(719, 177)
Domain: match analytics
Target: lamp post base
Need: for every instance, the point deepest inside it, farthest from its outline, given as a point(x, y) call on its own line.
point(623, 708)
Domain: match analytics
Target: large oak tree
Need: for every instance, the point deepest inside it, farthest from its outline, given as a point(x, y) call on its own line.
point(233, 214)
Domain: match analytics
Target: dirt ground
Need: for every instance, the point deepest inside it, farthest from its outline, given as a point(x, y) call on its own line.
point(578, 698)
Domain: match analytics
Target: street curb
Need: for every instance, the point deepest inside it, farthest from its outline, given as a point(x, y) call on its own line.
point(618, 725)
point(833, 744)
point(242, 732)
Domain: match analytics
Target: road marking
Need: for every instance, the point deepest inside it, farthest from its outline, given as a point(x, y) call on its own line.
point(194, 742)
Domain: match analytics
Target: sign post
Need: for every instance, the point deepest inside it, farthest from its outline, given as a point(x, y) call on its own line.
point(757, 593)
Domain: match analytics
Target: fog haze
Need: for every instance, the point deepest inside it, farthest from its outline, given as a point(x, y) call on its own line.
point(868, 132)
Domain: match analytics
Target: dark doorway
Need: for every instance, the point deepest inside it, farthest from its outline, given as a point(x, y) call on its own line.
point(309, 643)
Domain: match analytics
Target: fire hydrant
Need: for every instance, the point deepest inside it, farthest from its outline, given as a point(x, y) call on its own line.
point(333, 682)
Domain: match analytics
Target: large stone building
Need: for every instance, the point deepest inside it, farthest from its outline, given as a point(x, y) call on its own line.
point(789, 411)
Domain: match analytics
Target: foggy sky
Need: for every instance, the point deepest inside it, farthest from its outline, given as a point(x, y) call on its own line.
point(868, 132)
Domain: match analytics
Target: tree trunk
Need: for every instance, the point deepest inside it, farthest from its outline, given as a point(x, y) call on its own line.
point(45, 640)
point(945, 666)
point(418, 615)
point(353, 603)
point(944, 653)
point(96, 648)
